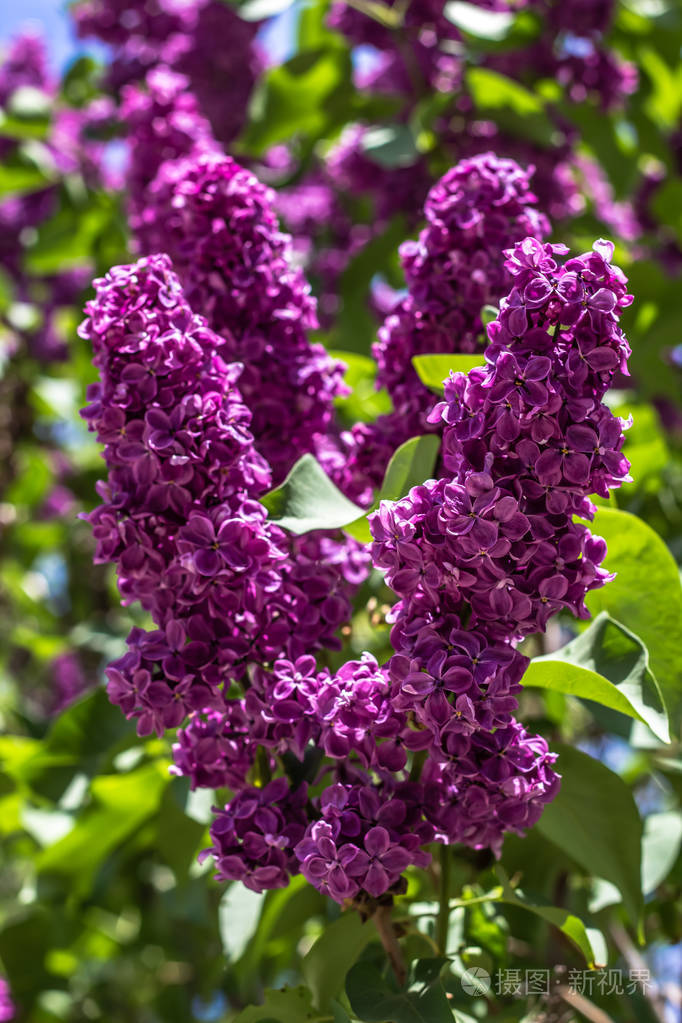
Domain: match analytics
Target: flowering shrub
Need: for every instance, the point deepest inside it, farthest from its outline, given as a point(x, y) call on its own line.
point(340, 660)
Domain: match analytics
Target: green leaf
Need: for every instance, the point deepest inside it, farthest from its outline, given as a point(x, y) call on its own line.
point(292, 1005)
point(364, 403)
point(355, 326)
point(307, 95)
point(423, 1000)
point(308, 500)
point(238, 916)
point(411, 464)
point(391, 146)
point(609, 665)
point(121, 803)
point(68, 238)
point(519, 110)
point(645, 596)
point(21, 177)
point(325, 966)
point(477, 22)
point(595, 820)
point(432, 370)
point(569, 924)
point(660, 847)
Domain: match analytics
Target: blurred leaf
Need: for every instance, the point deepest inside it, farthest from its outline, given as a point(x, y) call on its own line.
point(522, 112)
point(645, 446)
point(292, 1005)
point(645, 596)
point(304, 96)
point(67, 240)
point(660, 847)
point(238, 917)
point(258, 10)
point(391, 146)
point(432, 370)
point(595, 819)
point(484, 24)
point(423, 1000)
point(569, 924)
point(609, 665)
point(21, 176)
point(325, 966)
point(308, 500)
point(120, 804)
point(180, 837)
point(365, 403)
point(88, 730)
point(355, 326)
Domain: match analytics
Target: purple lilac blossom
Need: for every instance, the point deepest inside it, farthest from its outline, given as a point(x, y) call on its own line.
point(487, 554)
point(480, 207)
point(181, 34)
point(180, 517)
point(7, 1006)
point(217, 222)
point(255, 835)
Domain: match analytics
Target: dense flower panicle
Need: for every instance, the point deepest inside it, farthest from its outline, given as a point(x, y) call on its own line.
point(7, 1006)
point(485, 555)
point(180, 34)
point(501, 784)
point(215, 749)
point(481, 206)
point(255, 835)
point(225, 587)
point(164, 122)
point(526, 440)
point(365, 838)
point(217, 222)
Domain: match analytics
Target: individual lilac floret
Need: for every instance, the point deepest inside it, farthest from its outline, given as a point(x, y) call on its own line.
point(365, 839)
point(254, 836)
point(217, 222)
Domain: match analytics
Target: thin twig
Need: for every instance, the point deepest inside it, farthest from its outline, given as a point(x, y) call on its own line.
point(386, 931)
point(443, 918)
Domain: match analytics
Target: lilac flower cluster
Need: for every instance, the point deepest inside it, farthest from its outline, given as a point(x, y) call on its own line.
point(480, 207)
point(224, 586)
point(69, 150)
point(180, 36)
point(164, 122)
point(7, 1006)
point(217, 222)
point(485, 555)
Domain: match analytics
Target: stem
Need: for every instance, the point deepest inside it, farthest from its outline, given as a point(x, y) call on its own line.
point(444, 907)
point(386, 931)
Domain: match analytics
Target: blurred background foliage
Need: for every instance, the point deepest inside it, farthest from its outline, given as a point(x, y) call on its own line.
point(104, 912)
